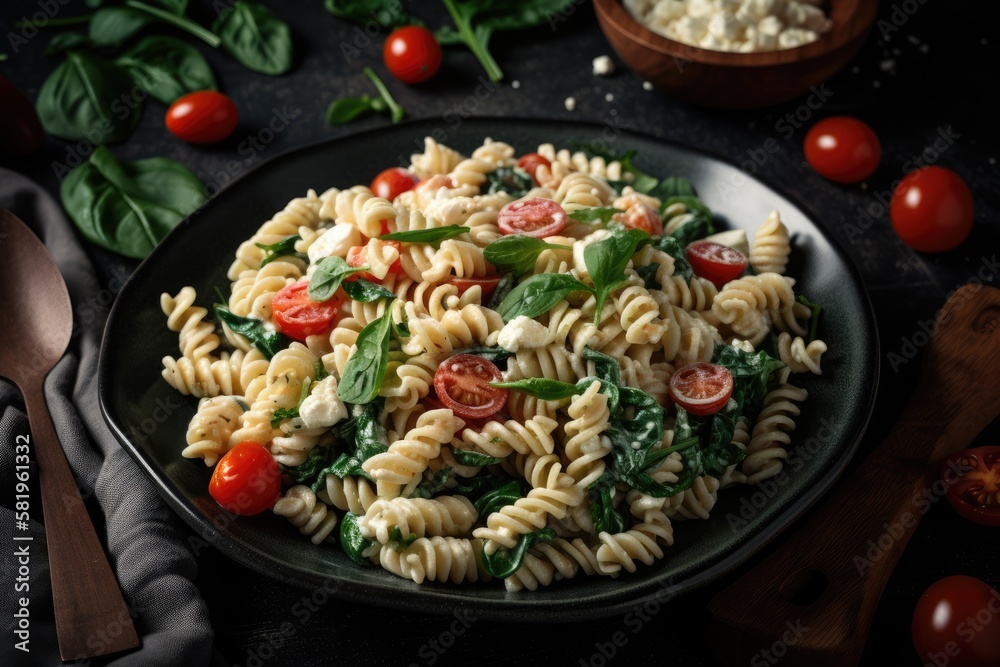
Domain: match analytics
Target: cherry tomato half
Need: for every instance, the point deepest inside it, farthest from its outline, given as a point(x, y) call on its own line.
point(716, 262)
point(298, 316)
point(20, 129)
point(202, 117)
point(932, 209)
point(489, 285)
point(974, 484)
point(532, 217)
point(701, 388)
point(640, 216)
point(957, 622)
point(843, 149)
point(462, 383)
point(247, 480)
point(393, 182)
point(530, 163)
point(412, 54)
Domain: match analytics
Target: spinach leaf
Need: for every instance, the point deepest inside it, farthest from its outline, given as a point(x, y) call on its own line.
point(493, 354)
point(387, 14)
point(674, 186)
point(507, 282)
point(365, 370)
point(430, 235)
point(601, 214)
point(751, 375)
point(475, 22)
point(512, 180)
point(517, 253)
point(698, 226)
point(670, 245)
point(432, 485)
point(606, 261)
point(602, 509)
point(115, 25)
point(468, 457)
point(267, 341)
point(504, 562)
point(399, 542)
point(543, 388)
point(538, 294)
point(605, 367)
point(328, 276)
point(319, 458)
point(283, 248)
point(87, 98)
point(346, 109)
point(498, 496)
point(352, 541)
point(815, 309)
point(129, 208)
point(66, 41)
point(258, 39)
point(369, 440)
point(365, 291)
point(167, 68)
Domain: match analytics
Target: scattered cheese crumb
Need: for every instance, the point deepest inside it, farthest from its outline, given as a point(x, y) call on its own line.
point(603, 66)
point(609, 97)
point(887, 64)
point(515, 84)
point(570, 103)
point(647, 85)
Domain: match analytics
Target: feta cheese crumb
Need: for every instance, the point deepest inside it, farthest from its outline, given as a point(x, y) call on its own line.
point(647, 85)
point(523, 333)
point(603, 66)
point(515, 84)
point(570, 103)
point(609, 97)
point(322, 408)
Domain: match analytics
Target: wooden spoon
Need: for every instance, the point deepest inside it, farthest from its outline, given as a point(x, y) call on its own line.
point(829, 574)
point(90, 612)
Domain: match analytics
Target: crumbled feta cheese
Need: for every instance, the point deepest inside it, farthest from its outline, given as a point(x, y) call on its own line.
point(647, 85)
point(335, 241)
point(603, 66)
point(523, 333)
point(610, 97)
point(570, 103)
point(515, 84)
point(322, 408)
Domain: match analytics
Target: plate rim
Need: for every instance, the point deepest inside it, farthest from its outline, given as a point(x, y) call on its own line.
point(526, 608)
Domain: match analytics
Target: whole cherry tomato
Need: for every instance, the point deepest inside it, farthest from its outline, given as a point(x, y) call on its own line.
point(843, 149)
point(247, 480)
point(932, 209)
point(202, 117)
point(412, 54)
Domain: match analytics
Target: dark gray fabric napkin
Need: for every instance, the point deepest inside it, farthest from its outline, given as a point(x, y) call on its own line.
point(146, 541)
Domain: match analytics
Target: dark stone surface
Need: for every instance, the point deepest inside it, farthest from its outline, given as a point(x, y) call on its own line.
point(914, 85)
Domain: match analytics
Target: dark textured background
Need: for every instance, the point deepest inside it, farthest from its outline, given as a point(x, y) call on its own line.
point(926, 78)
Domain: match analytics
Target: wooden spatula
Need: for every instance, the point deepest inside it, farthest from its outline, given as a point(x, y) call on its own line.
point(829, 574)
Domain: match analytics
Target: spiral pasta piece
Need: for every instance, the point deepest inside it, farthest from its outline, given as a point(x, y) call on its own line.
point(211, 427)
point(798, 356)
point(436, 159)
point(446, 516)
point(441, 559)
point(585, 446)
point(769, 439)
point(307, 513)
point(771, 246)
point(408, 457)
point(641, 543)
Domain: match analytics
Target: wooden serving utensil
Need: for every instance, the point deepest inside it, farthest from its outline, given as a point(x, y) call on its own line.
point(90, 612)
point(829, 574)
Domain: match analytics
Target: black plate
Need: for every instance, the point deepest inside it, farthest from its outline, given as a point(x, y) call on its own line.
point(150, 418)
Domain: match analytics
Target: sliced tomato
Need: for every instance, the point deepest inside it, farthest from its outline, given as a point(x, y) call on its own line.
point(530, 163)
point(393, 182)
point(489, 285)
point(298, 316)
point(716, 262)
point(462, 383)
point(247, 480)
point(640, 216)
point(701, 388)
point(534, 217)
point(973, 477)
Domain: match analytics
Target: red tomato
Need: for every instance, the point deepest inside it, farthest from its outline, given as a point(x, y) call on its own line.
point(298, 316)
point(531, 162)
point(393, 182)
point(701, 388)
point(716, 262)
point(247, 480)
point(20, 129)
point(957, 623)
point(932, 209)
point(412, 54)
point(975, 494)
point(489, 285)
point(202, 117)
point(843, 149)
point(532, 217)
point(462, 383)
point(640, 216)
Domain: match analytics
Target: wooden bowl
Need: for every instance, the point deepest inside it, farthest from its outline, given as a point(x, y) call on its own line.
point(728, 80)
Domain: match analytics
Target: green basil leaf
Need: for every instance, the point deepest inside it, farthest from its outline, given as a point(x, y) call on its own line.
point(469, 458)
point(387, 14)
point(538, 294)
point(672, 247)
point(88, 98)
point(65, 41)
point(512, 180)
point(129, 208)
point(597, 214)
point(543, 388)
point(431, 235)
point(329, 273)
point(517, 253)
point(504, 562)
point(112, 26)
point(352, 541)
point(395, 111)
point(365, 370)
point(283, 248)
point(253, 35)
point(347, 109)
point(268, 342)
point(816, 309)
point(675, 186)
point(365, 291)
point(606, 261)
point(167, 68)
